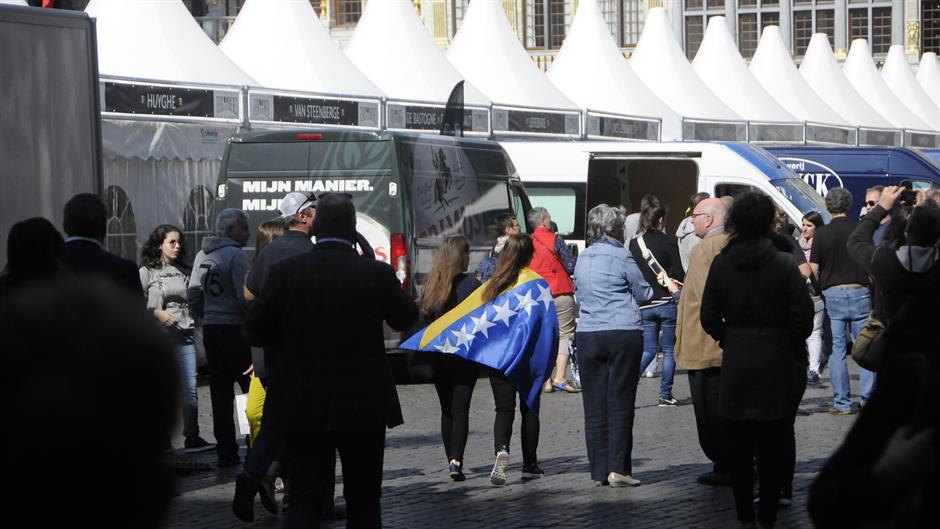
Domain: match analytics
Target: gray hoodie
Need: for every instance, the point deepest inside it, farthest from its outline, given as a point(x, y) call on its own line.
point(216, 290)
point(687, 240)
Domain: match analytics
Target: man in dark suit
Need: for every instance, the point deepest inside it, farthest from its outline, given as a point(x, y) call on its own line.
point(85, 223)
point(331, 385)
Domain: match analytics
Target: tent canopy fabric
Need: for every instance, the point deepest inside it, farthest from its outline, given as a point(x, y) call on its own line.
point(591, 70)
point(283, 45)
point(773, 68)
point(928, 75)
point(487, 52)
point(899, 77)
point(719, 64)
point(159, 39)
point(663, 67)
point(860, 70)
point(392, 47)
point(822, 73)
point(15, 2)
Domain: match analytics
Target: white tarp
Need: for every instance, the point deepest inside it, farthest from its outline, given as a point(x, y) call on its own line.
point(862, 73)
point(822, 73)
point(773, 68)
point(662, 66)
point(899, 77)
point(591, 70)
point(393, 48)
point(720, 66)
point(283, 45)
point(928, 75)
point(488, 53)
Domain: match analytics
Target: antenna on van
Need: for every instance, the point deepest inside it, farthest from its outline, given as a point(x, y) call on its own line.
point(453, 114)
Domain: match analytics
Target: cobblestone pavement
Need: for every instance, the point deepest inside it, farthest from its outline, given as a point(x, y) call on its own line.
point(417, 492)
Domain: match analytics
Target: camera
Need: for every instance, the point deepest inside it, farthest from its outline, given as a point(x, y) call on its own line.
point(908, 196)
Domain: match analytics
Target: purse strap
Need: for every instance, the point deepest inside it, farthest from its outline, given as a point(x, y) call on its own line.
point(661, 277)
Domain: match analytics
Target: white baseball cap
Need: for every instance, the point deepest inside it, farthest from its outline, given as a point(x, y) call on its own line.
point(296, 202)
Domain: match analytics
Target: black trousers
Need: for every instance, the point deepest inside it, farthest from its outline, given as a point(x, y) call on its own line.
point(504, 395)
point(712, 431)
point(770, 439)
point(610, 371)
point(311, 457)
point(228, 356)
point(454, 379)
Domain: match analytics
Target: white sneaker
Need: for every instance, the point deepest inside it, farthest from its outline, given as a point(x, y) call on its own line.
point(649, 374)
point(622, 480)
point(498, 475)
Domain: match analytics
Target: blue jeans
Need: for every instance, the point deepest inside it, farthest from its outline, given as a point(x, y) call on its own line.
point(656, 319)
point(848, 309)
point(186, 352)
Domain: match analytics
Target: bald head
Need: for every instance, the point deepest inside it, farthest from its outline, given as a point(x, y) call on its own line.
point(709, 214)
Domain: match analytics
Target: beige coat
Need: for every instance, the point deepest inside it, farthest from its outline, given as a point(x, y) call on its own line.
point(695, 349)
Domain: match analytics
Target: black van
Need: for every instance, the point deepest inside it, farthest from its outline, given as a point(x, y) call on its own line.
point(410, 190)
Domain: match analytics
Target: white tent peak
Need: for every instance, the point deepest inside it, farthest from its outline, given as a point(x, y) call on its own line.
point(663, 67)
point(719, 64)
point(392, 47)
point(591, 70)
point(928, 75)
point(822, 73)
point(158, 39)
point(898, 75)
point(862, 73)
point(488, 53)
point(773, 68)
point(283, 45)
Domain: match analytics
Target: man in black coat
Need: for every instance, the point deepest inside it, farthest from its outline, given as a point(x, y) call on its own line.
point(86, 223)
point(332, 385)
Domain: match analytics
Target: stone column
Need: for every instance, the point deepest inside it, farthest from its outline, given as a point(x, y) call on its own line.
point(731, 17)
point(786, 23)
point(839, 26)
point(910, 34)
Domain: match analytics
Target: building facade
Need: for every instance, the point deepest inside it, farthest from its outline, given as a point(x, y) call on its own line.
point(541, 25)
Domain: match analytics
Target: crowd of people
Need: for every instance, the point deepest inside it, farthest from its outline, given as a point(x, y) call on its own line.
point(747, 304)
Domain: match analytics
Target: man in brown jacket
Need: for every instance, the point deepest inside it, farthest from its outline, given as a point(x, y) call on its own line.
point(695, 350)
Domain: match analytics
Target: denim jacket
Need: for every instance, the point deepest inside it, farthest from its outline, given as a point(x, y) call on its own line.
point(610, 288)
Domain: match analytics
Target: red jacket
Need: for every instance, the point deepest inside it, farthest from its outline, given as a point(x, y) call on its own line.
point(548, 263)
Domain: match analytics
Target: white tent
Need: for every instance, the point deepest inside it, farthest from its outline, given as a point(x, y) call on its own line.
point(15, 2)
point(487, 52)
point(392, 47)
point(899, 77)
point(661, 65)
point(721, 67)
point(825, 77)
point(283, 45)
point(773, 68)
point(591, 70)
point(928, 75)
point(860, 70)
point(170, 101)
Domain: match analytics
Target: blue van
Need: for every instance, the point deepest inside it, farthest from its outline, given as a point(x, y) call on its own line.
point(859, 168)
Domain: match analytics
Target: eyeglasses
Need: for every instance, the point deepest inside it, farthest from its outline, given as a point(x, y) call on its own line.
point(698, 214)
point(310, 202)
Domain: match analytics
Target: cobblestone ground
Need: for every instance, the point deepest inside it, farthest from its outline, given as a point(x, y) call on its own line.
point(417, 492)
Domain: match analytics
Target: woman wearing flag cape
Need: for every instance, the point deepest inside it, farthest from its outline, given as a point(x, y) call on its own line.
point(509, 325)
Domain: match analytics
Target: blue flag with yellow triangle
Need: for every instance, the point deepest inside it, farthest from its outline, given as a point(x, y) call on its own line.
point(516, 333)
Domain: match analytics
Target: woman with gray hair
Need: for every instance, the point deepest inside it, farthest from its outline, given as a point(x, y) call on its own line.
point(610, 289)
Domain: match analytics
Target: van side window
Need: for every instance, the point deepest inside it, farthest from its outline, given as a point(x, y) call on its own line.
point(733, 190)
point(565, 202)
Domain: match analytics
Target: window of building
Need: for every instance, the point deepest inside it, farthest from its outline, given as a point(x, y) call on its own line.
point(694, 32)
point(747, 34)
point(545, 30)
point(858, 24)
point(880, 29)
point(753, 16)
point(802, 31)
point(347, 12)
point(871, 20)
point(693, 4)
point(825, 23)
point(610, 9)
point(556, 13)
point(930, 25)
point(747, 3)
point(716, 4)
point(634, 11)
point(769, 19)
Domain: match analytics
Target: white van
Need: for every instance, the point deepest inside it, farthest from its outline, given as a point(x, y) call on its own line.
point(569, 178)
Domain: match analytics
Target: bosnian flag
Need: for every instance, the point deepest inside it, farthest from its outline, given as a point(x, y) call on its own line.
point(516, 334)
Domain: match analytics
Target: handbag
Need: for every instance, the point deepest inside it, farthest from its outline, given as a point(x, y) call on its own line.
point(870, 345)
point(661, 276)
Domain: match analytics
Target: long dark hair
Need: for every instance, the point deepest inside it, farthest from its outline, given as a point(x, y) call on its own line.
point(34, 250)
point(151, 256)
point(448, 265)
point(516, 255)
point(652, 213)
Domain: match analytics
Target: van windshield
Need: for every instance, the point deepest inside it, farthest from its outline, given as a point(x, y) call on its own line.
point(802, 196)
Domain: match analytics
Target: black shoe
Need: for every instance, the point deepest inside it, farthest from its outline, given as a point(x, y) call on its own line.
point(338, 512)
point(456, 472)
point(228, 461)
point(197, 444)
point(266, 491)
point(243, 504)
point(668, 402)
point(715, 479)
point(532, 471)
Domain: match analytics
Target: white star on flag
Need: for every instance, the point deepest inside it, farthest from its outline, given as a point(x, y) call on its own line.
point(503, 313)
point(481, 324)
point(545, 296)
point(463, 337)
point(525, 303)
point(447, 347)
